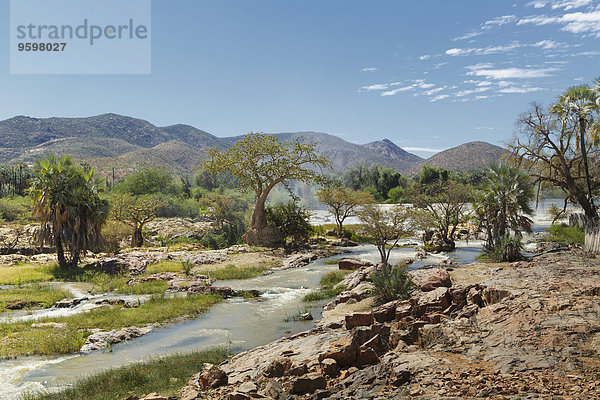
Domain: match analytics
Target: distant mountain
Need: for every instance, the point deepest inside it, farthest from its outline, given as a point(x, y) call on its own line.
point(114, 141)
point(472, 155)
point(344, 154)
point(400, 158)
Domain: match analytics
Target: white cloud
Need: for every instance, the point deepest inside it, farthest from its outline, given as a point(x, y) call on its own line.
point(487, 71)
point(439, 65)
point(369, 69)
point(555, 4)
point(483, 50)
point(423, 149)
point(468, 36)
point(484, 128)
point(377, 86)
point(466, 92)
point(515, 89)
point(396, 91)
point(439, 97)
point(433, 91)
point(458, 52)
point(425, 57)
point(499, 21)
point(576, 23)
point(548, 44)
point(586, 53)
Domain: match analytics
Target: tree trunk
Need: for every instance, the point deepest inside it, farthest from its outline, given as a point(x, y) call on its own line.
point(60, 252)
point(582, 125)
point(259, 233)
point(259, 218)
point(382, 253)
point(340, 229)
point(137, 240)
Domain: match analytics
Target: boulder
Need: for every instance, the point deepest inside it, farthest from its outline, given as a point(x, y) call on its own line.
point(211, 377)
point(68, 303)
point(351, 264)
point(278, 367)
point(133, 263)
point(343, 351)
point(433, 278)
point(359, 319)
point(385, 312)
point(247, 387)
point(435, 300)
point(330, 367)
point(238, 396)
point(309, 383)
point(367, 356)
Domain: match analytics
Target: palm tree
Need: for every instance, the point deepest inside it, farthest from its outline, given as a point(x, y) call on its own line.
point(580, 104)
point(67, 202)
point(503, 204)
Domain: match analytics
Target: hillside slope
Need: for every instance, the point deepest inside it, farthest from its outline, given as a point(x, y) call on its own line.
point(124, 143)
point(472, 155)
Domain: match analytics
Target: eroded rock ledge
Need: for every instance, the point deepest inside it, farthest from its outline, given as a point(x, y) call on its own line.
point(521, 330)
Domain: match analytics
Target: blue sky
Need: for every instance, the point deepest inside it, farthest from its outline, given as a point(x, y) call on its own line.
point(427, 75)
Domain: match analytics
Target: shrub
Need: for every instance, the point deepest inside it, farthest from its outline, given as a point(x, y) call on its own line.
point(148, 181)
point(292, 221)
point(328, 289)
point(567, 234)
point(173, 206)
point(114, 232)
point(508, 249)
point(12, 209)
point(392, 283)
point(186, 267)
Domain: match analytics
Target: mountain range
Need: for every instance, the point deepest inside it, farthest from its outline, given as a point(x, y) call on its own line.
point(112, 141)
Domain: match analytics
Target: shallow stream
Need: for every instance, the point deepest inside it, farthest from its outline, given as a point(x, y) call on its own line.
point(237, 323)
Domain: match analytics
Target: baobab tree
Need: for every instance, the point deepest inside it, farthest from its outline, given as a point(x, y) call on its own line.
point(260, 162)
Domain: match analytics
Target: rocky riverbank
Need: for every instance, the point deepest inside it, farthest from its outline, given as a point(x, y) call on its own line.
point(519, 330)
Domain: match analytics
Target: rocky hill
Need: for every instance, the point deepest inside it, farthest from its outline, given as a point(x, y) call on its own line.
point(114, 141)
point(472, 155)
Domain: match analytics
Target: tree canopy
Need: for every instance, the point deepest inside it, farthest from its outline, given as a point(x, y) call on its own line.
point(385, 225)
point(343, 203)
point(502, 205)
point(67, 203)
point(558, 146)
point(258, 163)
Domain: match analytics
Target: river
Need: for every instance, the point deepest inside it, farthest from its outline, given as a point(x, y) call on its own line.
point(236, 323)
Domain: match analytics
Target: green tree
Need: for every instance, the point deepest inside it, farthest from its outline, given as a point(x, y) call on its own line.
point(559, 147)
point(386, 225)
point(579, 105)
point(148, 181)
point(502, 205)
point(343, 203)
point(229, 212)
point(291, 220)
point(431, 174)
point(135, 212)
point(259, 163)
point(67, 202)
point(446, 205)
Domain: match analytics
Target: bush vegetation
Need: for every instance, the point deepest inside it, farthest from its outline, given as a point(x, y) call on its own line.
point(165, 375)
point(566, 234)
point(31, 297)
point(327, 290)
point(392, 283)
point(234, 272)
